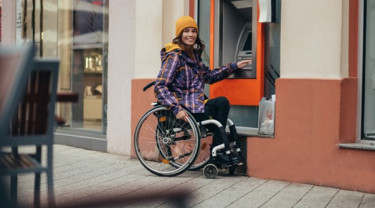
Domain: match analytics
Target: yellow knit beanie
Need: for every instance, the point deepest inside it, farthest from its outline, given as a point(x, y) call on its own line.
point(185, 22)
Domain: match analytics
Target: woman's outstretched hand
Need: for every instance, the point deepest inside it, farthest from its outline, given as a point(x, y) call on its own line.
point(243, 63)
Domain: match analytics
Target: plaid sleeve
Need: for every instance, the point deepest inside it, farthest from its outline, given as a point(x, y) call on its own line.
point(166, 76)
point(218, 74)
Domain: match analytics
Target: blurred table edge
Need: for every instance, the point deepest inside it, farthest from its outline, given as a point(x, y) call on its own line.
point(67, 97)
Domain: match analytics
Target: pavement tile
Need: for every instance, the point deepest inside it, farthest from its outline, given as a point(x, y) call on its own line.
point(368, 201)
point(317, 197)
point(346, 199)
point(232, 193)
point(85, 175)
point(259, 196)
point(288, 196)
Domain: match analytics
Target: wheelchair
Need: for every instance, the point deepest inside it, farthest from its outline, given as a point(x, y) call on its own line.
point(167, 146)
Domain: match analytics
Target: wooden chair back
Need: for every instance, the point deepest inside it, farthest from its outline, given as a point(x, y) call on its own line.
point(35, 112)
point(15, 63)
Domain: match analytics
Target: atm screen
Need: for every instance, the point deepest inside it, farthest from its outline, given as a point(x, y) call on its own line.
point(248, 45)
point(245, 53)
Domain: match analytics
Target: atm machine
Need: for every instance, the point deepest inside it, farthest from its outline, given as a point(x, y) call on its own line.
point(236, 42)
point(235, 36)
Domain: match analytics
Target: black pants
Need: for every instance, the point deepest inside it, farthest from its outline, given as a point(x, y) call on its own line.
point(218, 109)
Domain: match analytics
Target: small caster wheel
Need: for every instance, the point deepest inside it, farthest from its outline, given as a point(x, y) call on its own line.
point(210, 171)
point(232, 169)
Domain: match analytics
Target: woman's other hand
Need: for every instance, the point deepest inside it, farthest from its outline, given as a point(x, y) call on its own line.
point(182, 115)
point(243, 63)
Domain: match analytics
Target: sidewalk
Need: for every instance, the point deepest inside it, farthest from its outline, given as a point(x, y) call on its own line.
point(84, 175)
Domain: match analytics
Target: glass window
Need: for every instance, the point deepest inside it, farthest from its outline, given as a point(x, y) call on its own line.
point(369, 71)
point(76, 32)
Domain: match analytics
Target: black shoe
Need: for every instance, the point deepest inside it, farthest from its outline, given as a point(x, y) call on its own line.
point(236, 160)
point(228, 159)
point(222, 158)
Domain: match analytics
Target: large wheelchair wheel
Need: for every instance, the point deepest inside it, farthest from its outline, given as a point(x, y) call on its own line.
point(203, 156)
point(166, 146)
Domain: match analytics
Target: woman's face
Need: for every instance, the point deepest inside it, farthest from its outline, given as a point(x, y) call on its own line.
point(189, 36)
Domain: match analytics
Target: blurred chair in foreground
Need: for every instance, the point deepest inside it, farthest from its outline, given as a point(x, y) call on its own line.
point(27, 104)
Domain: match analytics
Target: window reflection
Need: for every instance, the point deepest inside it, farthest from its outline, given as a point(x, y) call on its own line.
point(87, 22)
point(75, 31)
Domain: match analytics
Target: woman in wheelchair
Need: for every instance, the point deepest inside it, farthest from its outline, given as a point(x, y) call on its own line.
point(181, 79)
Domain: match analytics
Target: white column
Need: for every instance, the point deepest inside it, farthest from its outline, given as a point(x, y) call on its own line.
point(312, 38)
point(121, 65)
point(148, 38)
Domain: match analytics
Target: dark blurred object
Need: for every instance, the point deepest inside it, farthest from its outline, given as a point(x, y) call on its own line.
point(177, 198)
point(29, 120)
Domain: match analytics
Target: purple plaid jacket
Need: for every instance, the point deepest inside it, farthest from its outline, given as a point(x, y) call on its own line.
point(181, 80)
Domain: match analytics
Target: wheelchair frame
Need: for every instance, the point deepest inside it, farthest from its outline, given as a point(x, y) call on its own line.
point(167, 146)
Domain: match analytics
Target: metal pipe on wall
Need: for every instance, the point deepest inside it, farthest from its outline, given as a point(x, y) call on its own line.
point(41, 29)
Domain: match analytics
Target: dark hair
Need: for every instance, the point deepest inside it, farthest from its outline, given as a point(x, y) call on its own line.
point(198, 46)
